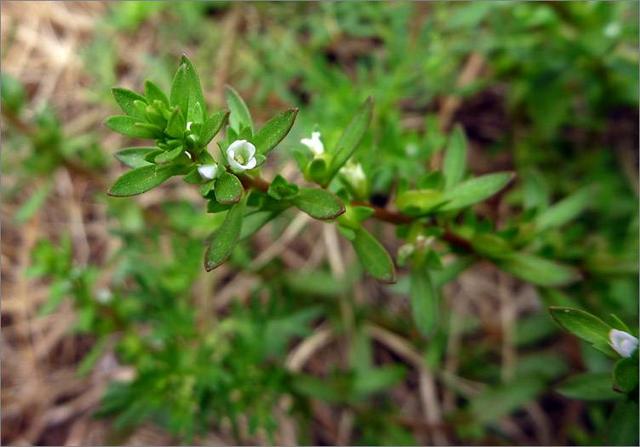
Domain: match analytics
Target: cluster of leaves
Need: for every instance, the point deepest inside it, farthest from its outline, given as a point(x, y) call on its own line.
point(47, 146)
point(620, 384)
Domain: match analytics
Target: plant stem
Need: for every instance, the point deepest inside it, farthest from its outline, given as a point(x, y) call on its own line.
point(379, 213)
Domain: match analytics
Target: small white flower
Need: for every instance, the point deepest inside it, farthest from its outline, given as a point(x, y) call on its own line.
point(189, 125)
point(208, 172)
point(103, 296)
point(612, 30)
point(314, 143)
point(622, 342)
point(353, 172)
point(241, 156)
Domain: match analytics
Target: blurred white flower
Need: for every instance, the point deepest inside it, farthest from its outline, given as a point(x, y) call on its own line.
point(189, 125)
point(103, 296)
point(622, 342)
point(241, 156)
point(314, 143)
point(208, 172)
point(353, 172)
point(612, 30)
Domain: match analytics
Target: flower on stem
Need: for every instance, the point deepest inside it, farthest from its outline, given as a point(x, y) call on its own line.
point(354, 175)
point(208, 172)
point(622, 342)
point(314, 143)
point(241, 156)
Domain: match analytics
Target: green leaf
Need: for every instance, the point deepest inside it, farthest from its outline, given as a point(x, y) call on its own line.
point(125, 99)
point(280, 189)
point(351, 137)
point(167, 156)
point(419, 201)
point(132, 127)
point(588, 386)
point(510, 396)
point(92, 357)
point(142, 179)
point(240, 115)
point(212, 126)
point(625, 374)
point(225, 238)
point(373, 256)
point(623, 424)
point(134, 157)
point(537, 270)
point(455, 158)
point(564, 211)
point(376, 380)
point(475, 190)
point(581, 324)
point(228, 189)
point(186, 91)
point(274, 131)
point(492, 246)
point(254, 221)
point(318, 203)
point(177, 124)
point(154, 93)
point(33, 204)
point(425, 303)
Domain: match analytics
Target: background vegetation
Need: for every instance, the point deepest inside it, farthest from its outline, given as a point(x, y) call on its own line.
point(113, 333)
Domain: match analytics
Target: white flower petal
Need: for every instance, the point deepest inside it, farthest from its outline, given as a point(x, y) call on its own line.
point(241, 155)
point(208, 172)
point(251, 164)
point(622, 342)
point(314, 143)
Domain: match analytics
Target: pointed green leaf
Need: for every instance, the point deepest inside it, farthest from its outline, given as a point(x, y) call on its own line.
point(186, 91)
point(455, 158)
point(167, 156)
point(588, 386)
point(228, 189)
point(225, 238)
point(351, 137)
point(134, 157)
point(425, 303)
point(420, 201)
point(240, 115)
point(373, 256)
point(537, 270)
point(564, 211)
point(254, 221)
point(142, 179)
point(125, 99)
point(154, 93)
point(318, 203)
point(132, 127)
point(582, 324)
point(475, 190)
point(511, 396)
point(212, 126)
point(177, 124)
point(274, 131)
point(625, 374)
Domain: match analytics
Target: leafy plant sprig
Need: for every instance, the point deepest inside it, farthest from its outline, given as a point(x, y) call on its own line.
point(182, 127)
